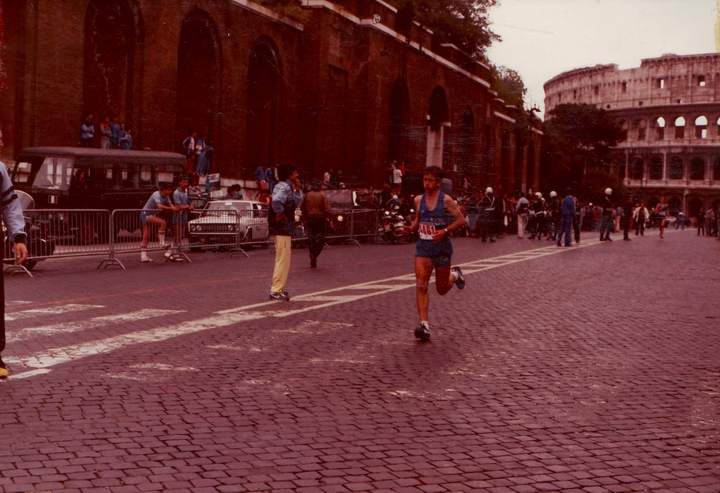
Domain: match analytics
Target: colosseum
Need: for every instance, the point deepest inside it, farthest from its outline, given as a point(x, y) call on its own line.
point(669, 108)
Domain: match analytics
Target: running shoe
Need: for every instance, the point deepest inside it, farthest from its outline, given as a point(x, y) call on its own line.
point(277, 296)
point(460, 281)
point(4, 373)
point(286, 295)
point(422, 333)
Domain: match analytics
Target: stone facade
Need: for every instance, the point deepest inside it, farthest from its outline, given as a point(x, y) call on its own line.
point(345, 85)
point(670, 109)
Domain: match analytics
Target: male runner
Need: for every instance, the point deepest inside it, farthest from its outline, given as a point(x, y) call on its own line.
point(433, 249)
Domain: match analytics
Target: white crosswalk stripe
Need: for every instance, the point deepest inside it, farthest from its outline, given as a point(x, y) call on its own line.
point(78, 326)
point(53, 310)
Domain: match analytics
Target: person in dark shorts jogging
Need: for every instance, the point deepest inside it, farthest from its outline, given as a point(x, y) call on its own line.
point(438, 215)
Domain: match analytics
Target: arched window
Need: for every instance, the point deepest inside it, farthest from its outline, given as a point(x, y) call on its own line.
point(660, 128)
point(701, 127)
point(679, 127)
point(656, 168)
point(112, 41)
point(264, 99)
point(438, 117)
point(676, 169)
point(697, 169)
point(636, 170)
point(641, 126)
point(198, 76)
point(624, 126)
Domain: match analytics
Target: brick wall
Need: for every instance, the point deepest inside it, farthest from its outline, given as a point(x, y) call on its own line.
point(336, 71)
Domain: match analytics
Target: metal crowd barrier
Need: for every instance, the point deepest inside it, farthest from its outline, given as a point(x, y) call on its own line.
point(68, 233)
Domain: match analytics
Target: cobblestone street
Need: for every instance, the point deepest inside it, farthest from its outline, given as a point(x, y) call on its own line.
point(586, 369)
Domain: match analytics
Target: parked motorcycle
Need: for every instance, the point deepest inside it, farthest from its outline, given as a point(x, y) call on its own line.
point(392, 227)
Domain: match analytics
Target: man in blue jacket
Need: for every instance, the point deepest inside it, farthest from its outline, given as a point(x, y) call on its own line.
point(286, 197)
point(12, 215)
point(567, 216)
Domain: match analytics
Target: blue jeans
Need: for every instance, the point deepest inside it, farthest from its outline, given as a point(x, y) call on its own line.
point(606, 225)
point(565, 230)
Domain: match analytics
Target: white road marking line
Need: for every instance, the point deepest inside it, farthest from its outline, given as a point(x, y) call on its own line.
point(68, 327)
point(321, 298)
point(378, 286)
point(225, 318)
point(53, 310)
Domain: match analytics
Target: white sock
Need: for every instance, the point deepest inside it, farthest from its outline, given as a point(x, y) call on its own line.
point(425, 323)
point(454, 276)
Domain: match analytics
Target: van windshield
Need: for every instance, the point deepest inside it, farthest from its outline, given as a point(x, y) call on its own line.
point(55, 173)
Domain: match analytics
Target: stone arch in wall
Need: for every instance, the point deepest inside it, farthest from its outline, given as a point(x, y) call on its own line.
point(199, 72)
point(660, 125)
point(695, 206)
point(679, 125)
point(675, 203)
point(113, 45)
point(637, 169)
point(701, 127)
point(438, 117)
point(655, 169)
point(697, 169)
point(400, 131)
point(676, 169)
point(264, 98)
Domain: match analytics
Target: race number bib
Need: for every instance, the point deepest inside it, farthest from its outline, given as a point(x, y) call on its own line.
point(426, 231)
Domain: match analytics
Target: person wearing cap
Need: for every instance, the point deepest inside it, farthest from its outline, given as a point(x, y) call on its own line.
point(606, 221)
point(12, 215)
point(488, 215)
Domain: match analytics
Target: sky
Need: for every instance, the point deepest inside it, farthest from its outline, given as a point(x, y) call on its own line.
point(542, 38)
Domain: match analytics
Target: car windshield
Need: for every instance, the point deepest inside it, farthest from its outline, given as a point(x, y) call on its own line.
point(228, 205)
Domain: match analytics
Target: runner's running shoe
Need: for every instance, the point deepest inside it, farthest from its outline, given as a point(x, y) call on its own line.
point(422, 332)
point(460, 281)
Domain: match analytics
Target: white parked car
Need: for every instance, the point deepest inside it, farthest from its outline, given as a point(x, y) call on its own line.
point(229, 222)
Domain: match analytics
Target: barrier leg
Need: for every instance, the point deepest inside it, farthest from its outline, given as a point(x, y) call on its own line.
point(352, 238)
point(18, 269)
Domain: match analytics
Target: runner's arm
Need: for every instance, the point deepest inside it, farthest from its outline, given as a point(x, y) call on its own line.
point(458, 219)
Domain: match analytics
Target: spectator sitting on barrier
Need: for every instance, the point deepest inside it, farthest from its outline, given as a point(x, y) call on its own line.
point(157, 210)
point(181, 199)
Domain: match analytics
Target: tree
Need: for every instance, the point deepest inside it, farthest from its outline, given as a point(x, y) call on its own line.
point(463, 23)
point(578, 145)
point(509, 85)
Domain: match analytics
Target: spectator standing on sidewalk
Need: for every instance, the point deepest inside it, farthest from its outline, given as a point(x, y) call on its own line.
point(315, 209)
point(606, 220)
point(700, 223)
point(181, 199)
point(188, 145)
point(87, 131)
point(522, 210)
point(640, 216)
point(286, 197)
point(567, 216)
point(12, 216)
point(627, 213)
